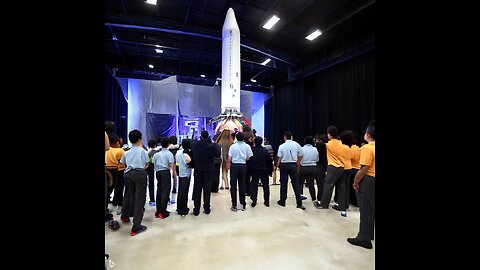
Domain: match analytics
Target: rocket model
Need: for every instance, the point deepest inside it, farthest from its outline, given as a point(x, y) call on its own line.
point(230, 117)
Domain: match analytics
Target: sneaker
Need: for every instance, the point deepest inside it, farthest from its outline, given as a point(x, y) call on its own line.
point(267, 204)
point(164, 215)
point(142, 229)
point(254, 203)
point(233, 208)
point(240, 207)
point(207, 211)
point(152, 203)
point(221, 188)
point(281, 203)
point(336, 207)
point(356, 242)
point(122, 219)
point(119, 210)
point(108, 217)
point(157, 214)
point(303, 197)
point(343, 213)
point(172, 201)
point(301, 207)
point(319, 206)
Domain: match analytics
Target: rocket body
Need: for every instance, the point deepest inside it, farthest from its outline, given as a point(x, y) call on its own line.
point(230, 64)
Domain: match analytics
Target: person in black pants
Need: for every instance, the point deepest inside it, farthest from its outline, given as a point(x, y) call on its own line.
point(308, 167)
point(289, 154)
point(203, 153)
point(217, 162)
point(238, 155)
point(261, 167)
point(321, 166)
point(163, 161)
point(364, 184)
point(151, 172)
point(136, 160)
point(183, 158)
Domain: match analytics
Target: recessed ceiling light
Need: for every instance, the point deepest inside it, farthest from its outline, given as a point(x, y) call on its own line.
point(271, 22)
point(150, 66)
point(159, 50)
point(266, 61)
point(253, 80)
point(152, 2)
point(202, 75)
point(313, 35)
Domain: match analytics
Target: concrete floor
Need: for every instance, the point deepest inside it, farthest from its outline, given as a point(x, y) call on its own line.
point(258, 238)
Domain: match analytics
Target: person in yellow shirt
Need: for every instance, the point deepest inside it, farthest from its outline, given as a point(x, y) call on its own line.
point(355, 167)
point(364, 184)
point(336, 155)
point(112, 157)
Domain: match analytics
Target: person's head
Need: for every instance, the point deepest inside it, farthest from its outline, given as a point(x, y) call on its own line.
point(109, 127)
point(114, 141)
point(152, 143)
point(308, 140)
point(323, 138)
point(165, 142)
point(204, 135)
point(135, 137)
point(346, 137)
point(332, 132)
point(173, 139)
point(287, 135)
point(186, 144)
point(240, 136)
point(254, 132)
point(370, 133)
point(258, 141)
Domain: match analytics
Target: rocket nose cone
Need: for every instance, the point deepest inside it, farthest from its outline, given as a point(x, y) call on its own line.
point(230, 20)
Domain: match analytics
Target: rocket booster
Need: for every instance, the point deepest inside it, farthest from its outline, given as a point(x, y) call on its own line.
point(230, 64)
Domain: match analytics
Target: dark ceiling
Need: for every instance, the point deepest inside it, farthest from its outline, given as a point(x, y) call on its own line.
point(189, 33)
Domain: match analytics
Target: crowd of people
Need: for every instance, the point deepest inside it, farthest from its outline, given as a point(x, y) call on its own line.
point(334, 161)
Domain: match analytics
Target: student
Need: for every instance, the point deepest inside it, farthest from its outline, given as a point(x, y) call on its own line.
point(289, 154)
point(152, 144)
point(364, 184)
point(308, 167)
point(203, 153)
point(136, 160)
point(174, 148)
point(346, 138)
point(336, 153)
point(183, 159)
point(261, 166)
point(321, 165)
point(163, 161)
point(116, 169)
point(355, 167)
point(238, 154)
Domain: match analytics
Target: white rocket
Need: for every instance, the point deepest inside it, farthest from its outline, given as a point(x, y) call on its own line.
point(230, 116)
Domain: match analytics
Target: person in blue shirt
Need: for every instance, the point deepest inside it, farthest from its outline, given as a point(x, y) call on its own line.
point(136, 161)
point(183, 158)
point(163, 161)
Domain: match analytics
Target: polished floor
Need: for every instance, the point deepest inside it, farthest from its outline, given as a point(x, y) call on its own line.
point(258, 238)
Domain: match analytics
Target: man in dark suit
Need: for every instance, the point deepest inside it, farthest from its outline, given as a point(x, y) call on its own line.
point(204, 151)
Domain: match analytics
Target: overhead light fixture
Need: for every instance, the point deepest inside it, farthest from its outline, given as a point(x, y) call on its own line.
point(114, 37)
point(202, 75)
point(152, 2)
point(313, 35)
point(150, 66)
point(253, 80)
point(159, 50)
point(271, 22)
point(266, 61)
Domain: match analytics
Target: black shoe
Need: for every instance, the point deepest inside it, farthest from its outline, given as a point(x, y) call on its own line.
point(281, 203)
point(356, 242)
point(319, 206)
point(267, 204)
point(174, 190)
point(233, 208)
point(196, 212)
point(254, 203)
point(301, 207)
point(142, 229)
point(207, 211)
point(336, 207)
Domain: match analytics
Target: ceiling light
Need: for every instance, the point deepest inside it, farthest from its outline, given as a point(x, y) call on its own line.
point(313, 35)
point(150, 66)
point(271, 22)
point(152, 2)
point(159, 50)
point(158, 46)
point(202, 75)
point(266, 61)
point(253, 80)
